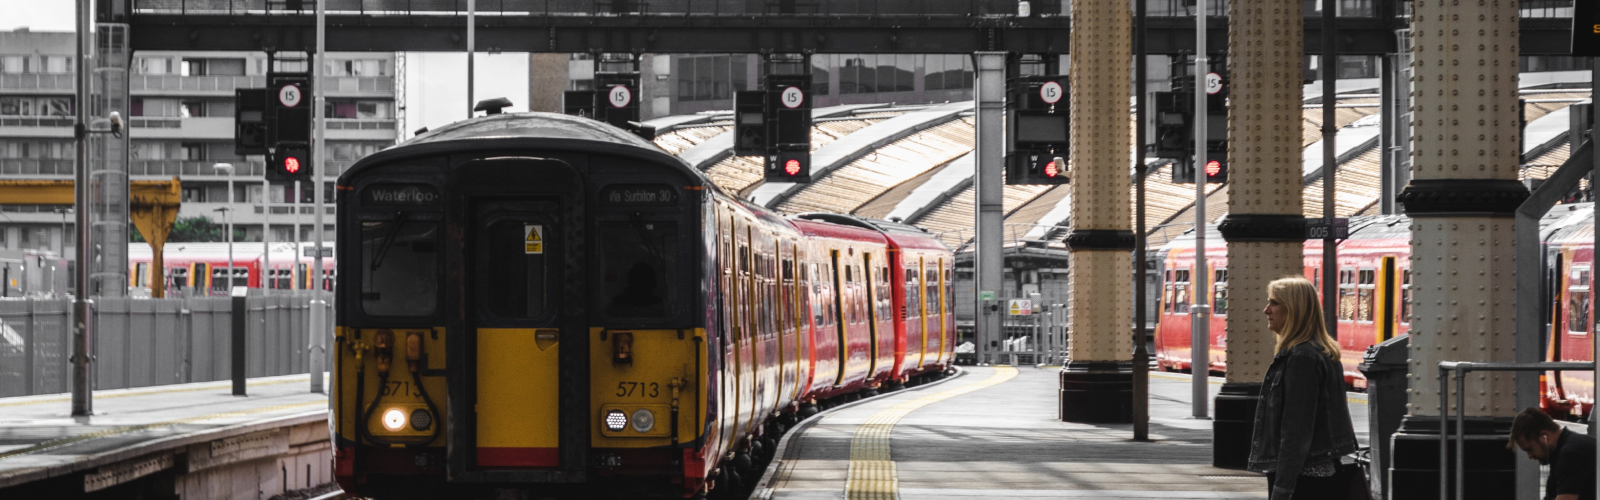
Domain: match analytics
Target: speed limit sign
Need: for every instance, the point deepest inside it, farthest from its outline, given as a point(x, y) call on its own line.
point(289, 96)
point(620, 96)
point(792, 97)
point(1050, 92)
point(1213, 83)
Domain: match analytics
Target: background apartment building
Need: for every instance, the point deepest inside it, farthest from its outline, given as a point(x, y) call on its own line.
point(180, 125)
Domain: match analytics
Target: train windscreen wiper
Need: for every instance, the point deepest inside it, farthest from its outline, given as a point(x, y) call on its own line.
point(388, 240)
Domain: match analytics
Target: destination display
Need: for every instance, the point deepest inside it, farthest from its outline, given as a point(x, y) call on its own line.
point(641, 195)
point(1586, 28)
point(400, 195)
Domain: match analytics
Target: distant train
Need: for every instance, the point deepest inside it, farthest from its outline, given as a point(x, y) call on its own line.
point(549, 304)
point(200, 269)
point(1374, 302)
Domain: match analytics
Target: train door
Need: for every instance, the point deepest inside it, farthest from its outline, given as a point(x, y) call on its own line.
point(842, 316)
point(1387, 285)
point(916, 316)
point(728, 328)
point(519, 225)
point(871, 284)
point(513, 271)
point(745, 332)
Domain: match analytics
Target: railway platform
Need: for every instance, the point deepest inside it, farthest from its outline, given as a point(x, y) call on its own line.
point(176, 441)
point(992, 432)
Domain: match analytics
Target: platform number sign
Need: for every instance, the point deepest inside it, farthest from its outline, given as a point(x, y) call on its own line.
point(792, 97)
point(1213, 83)
point(620, 96)
point(1051, 92)
point(533, 239)
point(289, 96)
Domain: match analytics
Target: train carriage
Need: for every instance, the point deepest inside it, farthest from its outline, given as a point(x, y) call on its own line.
point(546, 303)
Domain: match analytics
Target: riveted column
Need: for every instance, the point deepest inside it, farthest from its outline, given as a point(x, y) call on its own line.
point(1264, 227)
point(1097, 381)
point(1463, 193)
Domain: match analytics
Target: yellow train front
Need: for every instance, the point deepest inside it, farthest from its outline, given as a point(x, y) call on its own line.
point(523, 306)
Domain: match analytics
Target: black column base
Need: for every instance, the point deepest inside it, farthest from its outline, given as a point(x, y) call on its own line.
point(1491, 470)
point(1235, 421)
point(1097, 392)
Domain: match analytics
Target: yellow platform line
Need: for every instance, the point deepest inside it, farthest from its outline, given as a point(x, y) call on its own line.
point(63, 441)
point(205, 386)
point(872, 472)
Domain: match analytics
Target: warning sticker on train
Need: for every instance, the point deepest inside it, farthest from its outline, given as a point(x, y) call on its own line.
point(533, 239)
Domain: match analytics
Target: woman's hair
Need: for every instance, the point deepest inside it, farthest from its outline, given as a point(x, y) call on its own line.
point(1304, 319)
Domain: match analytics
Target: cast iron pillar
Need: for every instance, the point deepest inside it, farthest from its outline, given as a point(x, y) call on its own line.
point(1097, 380)
point(1463, 194)
point(989, 171)
point(1265, 226)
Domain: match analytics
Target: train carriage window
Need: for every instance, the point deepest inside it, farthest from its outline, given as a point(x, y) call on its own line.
point(141, 274)
point(639, 262)
point(1366, 294)
point(399, 262)
point(913, 293)
point(1347, 295)
point(1180, 292)
point(1219, 295)
point(1578, 301)
point(1405, 297)
point(932, 286)
point(180, 277)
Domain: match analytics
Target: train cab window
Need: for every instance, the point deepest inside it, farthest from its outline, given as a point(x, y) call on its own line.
point(1578, 301)
point(1219, 294)
point(1366, 291)
point(638, 266)
point(399, 264)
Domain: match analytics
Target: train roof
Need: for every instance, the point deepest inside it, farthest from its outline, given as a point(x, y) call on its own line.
point(902, 235)
point(839, 231)
point(543, 131)
point(1570, 223)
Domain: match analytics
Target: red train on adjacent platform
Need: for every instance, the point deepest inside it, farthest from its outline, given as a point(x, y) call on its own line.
point(1374, 302)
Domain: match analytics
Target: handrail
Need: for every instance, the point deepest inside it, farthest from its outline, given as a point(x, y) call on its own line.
point(1461, 368)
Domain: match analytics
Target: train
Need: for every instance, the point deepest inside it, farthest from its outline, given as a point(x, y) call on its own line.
point(1375, 297)
point(201, 269)
point(547, 304)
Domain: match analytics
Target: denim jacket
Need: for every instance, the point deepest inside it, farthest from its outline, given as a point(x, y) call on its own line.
point(1302, 417)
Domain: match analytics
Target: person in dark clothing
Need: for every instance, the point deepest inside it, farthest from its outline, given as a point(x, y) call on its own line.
point(1302, 421)
point(1570, 455)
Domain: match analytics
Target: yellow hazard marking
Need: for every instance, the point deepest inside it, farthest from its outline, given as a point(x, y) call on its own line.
point(872, 472)
point(533, 240)
point(66, 440)
point(204, 387)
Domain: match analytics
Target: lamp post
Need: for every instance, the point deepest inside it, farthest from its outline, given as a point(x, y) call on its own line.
point(227, 217)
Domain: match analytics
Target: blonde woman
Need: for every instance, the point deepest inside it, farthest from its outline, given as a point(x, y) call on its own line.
point(1302, 422)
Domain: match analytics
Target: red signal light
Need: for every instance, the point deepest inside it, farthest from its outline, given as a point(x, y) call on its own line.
point(1213, 167)
point(1050, 169)
point(291, 164)
point(791, 167)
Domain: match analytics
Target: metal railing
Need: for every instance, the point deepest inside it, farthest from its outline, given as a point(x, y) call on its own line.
point(1461, 368)
point(36, 166)
point(38, 81)
point(149, 342)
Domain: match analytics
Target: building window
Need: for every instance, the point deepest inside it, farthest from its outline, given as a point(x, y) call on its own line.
point(36, 106)
point(154, 65)
point(192, 109)
point(57, 64)
point(193, 151)
point(13, 64)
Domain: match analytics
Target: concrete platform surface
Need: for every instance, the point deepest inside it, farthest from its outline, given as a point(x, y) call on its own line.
point(992, 433)
point(40, 439)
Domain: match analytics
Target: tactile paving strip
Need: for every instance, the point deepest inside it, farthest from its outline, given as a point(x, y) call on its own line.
point(872, 472)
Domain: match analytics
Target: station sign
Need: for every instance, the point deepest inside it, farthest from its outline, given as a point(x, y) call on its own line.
point(314, 251)
point(1321, 229)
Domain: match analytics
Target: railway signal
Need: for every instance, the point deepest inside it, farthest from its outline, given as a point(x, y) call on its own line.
point(1175, 125)
point(250, 122)
point(614, 100)
point(750, 123)
point(291, 161)
point(1038, 123)
point(786, 112)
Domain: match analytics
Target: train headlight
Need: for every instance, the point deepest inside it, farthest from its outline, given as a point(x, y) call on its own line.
point(643, 420)
point(394, 419)
point(420, 419)
point(616, 420)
